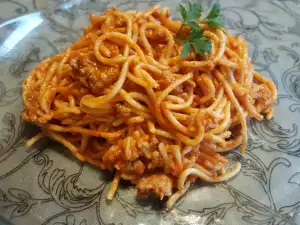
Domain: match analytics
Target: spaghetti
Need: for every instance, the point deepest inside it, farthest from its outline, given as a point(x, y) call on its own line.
point(122, 98)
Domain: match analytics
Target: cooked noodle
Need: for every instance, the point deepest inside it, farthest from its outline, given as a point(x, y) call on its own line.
point(122, 98)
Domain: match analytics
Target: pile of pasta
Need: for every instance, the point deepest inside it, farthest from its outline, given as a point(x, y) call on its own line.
point(123, 98)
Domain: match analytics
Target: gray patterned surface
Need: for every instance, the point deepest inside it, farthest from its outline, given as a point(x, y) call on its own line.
point(45, 185)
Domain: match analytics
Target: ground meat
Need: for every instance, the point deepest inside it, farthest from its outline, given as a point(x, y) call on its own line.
point(209, 122)
point(136, 167)
point(156, 35)
point(94, 75)
point(123, 110)
point(157, 184)
point(262, 95)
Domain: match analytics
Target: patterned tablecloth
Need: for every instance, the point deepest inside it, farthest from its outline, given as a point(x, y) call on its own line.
point(45, 185)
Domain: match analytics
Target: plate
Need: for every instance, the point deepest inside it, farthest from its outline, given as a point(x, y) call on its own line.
point(46, 185)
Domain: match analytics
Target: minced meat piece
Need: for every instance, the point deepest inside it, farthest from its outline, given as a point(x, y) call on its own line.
point(157, 184)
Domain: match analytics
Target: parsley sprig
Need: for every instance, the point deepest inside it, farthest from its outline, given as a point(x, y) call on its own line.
point(194, 37)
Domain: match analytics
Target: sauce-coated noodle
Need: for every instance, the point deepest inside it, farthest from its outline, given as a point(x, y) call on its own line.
point(122, 98)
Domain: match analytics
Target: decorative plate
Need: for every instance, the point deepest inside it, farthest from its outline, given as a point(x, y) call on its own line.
point(46, 185)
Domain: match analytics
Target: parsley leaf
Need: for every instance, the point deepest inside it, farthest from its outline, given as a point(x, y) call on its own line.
point(196, 34)
point(186, 49)
point(202, 46)
point(182, 12)
point(194, 25)
point(194, 11)
point(193, 38)
point(213, 19)
point(214, 12)
point(215, 23)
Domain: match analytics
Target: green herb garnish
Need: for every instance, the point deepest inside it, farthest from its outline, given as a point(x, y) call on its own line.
point(193, 38)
